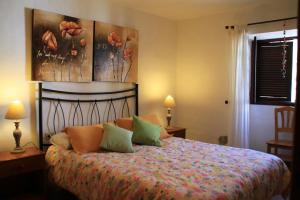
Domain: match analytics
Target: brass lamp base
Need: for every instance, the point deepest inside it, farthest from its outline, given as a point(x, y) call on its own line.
point(18, 150)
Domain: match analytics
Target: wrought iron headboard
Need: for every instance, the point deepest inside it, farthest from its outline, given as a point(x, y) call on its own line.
point(102, 107)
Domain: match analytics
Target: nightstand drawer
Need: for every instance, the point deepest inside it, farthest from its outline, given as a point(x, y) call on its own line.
point(180, 134)
point(176, 132)
point(22, 165)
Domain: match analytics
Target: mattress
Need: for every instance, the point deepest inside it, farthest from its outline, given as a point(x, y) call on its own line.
point(180, 169)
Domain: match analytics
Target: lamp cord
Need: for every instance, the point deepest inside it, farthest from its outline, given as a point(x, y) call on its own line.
point(28, 143)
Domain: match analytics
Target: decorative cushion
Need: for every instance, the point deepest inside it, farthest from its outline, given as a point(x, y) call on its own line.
point(155, 120)
point(85, 139)
point(127, 123)
point(61, 139)
point(117, 139)
point(145, 132)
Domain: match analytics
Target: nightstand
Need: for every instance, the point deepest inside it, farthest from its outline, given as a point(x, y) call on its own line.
point(176, 131)
point(22, 174)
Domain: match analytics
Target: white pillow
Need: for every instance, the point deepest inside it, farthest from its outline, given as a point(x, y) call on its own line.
point(61, 139)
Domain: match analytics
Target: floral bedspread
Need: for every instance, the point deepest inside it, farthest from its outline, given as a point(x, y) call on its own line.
point(180, 169)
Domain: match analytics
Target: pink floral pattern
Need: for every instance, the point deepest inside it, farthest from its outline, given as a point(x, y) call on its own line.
point(180, 169)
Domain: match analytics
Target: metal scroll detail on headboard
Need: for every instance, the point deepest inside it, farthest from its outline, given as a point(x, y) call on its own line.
point(60, 109)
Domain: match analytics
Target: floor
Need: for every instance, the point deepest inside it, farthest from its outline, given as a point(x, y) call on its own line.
point(278, 197)
point(53, 193)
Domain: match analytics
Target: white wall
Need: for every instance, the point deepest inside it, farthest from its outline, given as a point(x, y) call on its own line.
point(261, 126)
point(157, 51)
point(203, 73)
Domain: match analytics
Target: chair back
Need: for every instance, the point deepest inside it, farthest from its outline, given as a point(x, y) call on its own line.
point(284, 120)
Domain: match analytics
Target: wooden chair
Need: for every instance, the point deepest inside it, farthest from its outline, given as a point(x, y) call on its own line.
point(283, 126)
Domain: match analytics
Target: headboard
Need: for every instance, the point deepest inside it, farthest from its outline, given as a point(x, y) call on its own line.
point(58, 109)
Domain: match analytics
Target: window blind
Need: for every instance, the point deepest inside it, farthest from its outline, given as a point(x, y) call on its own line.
point(270, 85)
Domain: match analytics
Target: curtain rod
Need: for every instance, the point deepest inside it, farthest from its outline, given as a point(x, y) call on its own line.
point(264, 22)
point(270, 21)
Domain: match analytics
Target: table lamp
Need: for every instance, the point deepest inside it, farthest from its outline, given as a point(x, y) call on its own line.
point(16, 111)
point(169, 103)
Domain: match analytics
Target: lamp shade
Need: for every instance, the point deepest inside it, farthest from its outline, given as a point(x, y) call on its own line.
point(15, 110)
point(169, 102)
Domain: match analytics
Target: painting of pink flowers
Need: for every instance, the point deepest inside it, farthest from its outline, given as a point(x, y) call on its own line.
point(115, 53)
point(62, 48)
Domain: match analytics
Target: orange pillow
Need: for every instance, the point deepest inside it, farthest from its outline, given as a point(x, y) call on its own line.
point(85, 139)
point(127, 123)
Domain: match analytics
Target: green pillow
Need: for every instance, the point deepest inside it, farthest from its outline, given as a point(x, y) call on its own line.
point(116, 139)
point(145, 132)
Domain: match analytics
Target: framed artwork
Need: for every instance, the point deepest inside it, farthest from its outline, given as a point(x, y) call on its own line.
point(115, 53)
point(62, 48)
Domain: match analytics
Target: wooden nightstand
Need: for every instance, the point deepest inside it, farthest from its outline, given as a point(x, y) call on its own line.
point(22, 174)
point(176, 131)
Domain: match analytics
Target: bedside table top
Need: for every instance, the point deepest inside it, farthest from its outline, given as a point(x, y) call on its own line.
point(30, 151)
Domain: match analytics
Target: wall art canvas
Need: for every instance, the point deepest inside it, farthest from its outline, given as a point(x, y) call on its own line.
point(62, 48)
point(115, 53)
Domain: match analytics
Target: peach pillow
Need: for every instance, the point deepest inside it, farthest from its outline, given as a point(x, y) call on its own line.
point(85, 139)
point(127, 123)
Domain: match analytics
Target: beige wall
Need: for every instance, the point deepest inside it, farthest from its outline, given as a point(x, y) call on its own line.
point(190, 57)
point(157, 52)
point(203, 72)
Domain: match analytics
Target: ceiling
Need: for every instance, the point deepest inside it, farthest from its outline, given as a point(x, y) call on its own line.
point(187, 9)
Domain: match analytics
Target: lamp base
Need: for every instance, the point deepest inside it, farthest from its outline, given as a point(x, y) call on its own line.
point(169, 116)
point(17, 150)
point(17, 135)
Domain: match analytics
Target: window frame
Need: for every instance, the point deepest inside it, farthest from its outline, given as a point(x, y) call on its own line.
point(253, 99)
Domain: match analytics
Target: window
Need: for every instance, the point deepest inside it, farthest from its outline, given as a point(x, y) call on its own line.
point(269, 85)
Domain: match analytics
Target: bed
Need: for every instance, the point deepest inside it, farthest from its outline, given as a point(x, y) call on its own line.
point(180, 169)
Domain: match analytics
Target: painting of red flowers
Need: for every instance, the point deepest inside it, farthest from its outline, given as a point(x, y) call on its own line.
point(62, 48)
point(115, 53)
